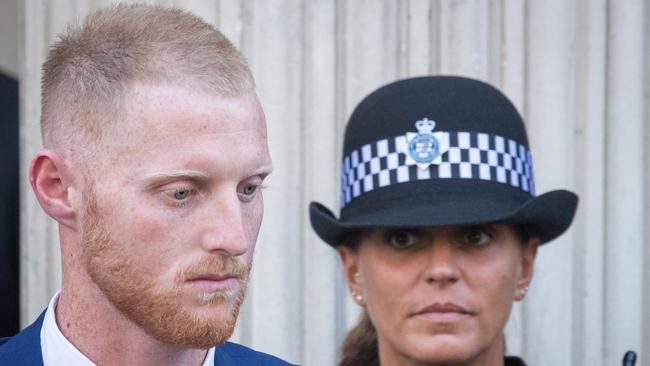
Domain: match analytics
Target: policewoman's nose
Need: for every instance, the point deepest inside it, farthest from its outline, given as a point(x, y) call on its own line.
point(441, 266)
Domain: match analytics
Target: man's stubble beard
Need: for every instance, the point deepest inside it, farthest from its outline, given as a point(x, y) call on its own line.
point(159, 312)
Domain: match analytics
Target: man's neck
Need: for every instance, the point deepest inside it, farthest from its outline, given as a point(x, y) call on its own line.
point(101, 332)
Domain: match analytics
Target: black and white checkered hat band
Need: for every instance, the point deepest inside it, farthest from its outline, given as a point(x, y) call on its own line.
point(465, 155)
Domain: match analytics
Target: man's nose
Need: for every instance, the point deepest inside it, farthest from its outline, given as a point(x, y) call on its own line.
point(224, 228)
point(442, 267)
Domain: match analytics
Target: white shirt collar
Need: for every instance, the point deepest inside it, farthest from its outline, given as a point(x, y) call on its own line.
point(57, 350)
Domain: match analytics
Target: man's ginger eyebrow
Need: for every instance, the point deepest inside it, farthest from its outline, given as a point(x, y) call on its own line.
point(176, 174)
point(264, 171)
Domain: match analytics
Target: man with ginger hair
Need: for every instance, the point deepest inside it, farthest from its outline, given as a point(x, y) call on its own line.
point(155, 149)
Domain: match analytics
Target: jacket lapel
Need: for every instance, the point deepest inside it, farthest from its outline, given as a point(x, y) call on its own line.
point(221, 358)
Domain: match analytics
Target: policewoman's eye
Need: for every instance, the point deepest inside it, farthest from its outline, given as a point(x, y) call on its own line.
point(401, 239)
point(476, 236)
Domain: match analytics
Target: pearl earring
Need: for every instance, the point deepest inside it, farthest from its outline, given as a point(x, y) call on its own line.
point(522, 293)
point(357, 297)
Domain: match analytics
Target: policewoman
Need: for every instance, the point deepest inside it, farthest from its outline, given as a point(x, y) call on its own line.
point(439, 222)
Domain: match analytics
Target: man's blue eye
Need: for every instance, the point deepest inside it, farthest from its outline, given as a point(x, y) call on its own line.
point(181, 194)
point(249, 190)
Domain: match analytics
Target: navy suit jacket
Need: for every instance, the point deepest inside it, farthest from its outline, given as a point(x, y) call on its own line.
point(24, 349)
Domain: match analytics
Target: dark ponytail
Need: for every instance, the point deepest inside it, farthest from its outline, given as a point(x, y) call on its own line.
point(360, 344)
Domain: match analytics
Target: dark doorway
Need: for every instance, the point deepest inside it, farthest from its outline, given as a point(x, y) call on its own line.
point(9, 209)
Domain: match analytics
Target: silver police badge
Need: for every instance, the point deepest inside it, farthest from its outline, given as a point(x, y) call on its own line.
point(424, 147)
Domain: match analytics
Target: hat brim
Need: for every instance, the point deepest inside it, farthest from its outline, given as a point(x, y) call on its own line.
point(548, 215)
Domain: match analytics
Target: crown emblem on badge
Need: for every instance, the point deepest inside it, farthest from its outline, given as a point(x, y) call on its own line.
point(425, 125)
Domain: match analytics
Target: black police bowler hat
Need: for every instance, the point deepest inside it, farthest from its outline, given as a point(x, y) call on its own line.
point(434, 151)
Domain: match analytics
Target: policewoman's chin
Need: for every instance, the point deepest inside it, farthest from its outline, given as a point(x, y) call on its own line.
point(446, 349)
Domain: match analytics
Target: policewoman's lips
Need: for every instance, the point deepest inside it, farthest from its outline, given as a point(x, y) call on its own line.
point(214, 282)
point(443, 312)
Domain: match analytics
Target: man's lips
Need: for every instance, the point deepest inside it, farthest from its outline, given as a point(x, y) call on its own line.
point(214, 282)
point(443, 312)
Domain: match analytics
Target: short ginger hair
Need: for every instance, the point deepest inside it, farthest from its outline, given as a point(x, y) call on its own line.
point(92, 65)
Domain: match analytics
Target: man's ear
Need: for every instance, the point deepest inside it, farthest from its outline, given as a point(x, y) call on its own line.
point(51, 181)
point(349, 258)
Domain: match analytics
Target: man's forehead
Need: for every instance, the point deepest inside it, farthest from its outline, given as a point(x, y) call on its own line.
point(166, 92)
point(149, 109)
point(169, 129)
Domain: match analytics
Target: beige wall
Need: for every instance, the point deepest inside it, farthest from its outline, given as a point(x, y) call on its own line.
point(574, 68)
point(9, 23)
